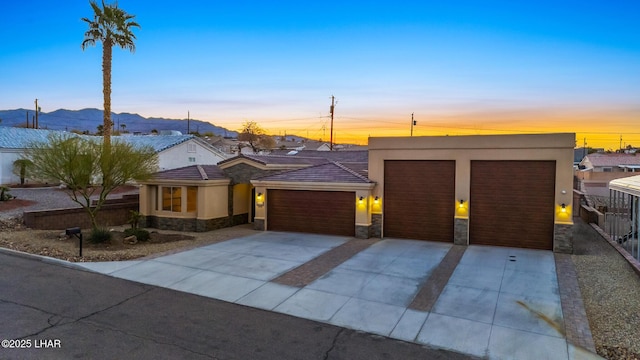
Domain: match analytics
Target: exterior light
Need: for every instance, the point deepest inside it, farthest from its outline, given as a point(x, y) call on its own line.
point(376, 199)
point(361, 198)
point(259, 194)
point(461, 203)
point(564, 207)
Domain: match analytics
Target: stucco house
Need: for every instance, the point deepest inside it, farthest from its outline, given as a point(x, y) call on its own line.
point(610, 163)
point(13, 142)
point(173, 150)
point(505, 190)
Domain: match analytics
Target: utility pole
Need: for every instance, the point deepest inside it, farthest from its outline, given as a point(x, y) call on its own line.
point(36, 124)
point(584, 148)
point(413, 122)
point(27, 119)
point(621, 144)
point(188, 116)
point(333, 106)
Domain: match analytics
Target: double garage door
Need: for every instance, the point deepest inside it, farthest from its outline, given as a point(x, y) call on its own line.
point(511, 202)
point(319, 212)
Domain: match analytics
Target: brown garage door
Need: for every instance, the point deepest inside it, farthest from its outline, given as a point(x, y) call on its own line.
point(419, 199)
point(512, 203)
point(318, 212)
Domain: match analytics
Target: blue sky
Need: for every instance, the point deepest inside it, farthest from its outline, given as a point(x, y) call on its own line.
point(462, 67)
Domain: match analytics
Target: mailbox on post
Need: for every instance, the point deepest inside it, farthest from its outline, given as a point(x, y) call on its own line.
point(75, 231)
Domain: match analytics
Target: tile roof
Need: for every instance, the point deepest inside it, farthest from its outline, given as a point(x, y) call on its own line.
point(192, 172)
point(279, 160)
point(613, 159)
point(360, 167)
point(339, 156)
point(329, 172)
point(157, 142)
point(20, 138)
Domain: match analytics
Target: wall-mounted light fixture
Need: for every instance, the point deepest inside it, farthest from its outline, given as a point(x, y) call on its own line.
point(461, 205)
point(564, 207)
point(376, 200)
point(259, 200)
point(360, 199)
point(259, 194)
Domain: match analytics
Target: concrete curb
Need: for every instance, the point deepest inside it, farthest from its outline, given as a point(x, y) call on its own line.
point(45, 259)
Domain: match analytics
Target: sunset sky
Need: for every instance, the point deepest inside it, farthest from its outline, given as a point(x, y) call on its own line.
point(462, 67)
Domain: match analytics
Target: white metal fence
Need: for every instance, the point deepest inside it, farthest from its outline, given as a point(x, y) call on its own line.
point(622, 222)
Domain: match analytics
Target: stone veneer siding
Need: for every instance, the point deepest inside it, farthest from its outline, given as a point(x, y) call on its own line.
point(375, 231)
point(195, 225)
point(244, 173)
point(258, 224)
point(563, 238)
point(461, 231)
point(363, 231)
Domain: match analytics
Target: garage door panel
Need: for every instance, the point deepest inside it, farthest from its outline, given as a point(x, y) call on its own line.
point(419, 198)
point(318, 212)
point(512, 203)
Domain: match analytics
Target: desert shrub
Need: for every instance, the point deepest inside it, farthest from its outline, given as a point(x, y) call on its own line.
point(4, 194)
point(135, 218)
point(141, 234)
point(99, 235)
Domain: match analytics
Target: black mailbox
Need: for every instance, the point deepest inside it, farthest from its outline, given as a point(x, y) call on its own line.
point(73, 231)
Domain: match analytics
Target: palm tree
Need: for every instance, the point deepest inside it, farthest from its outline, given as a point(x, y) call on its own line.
point(111, 26)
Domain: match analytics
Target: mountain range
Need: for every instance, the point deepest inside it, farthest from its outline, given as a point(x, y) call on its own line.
point(89, 119)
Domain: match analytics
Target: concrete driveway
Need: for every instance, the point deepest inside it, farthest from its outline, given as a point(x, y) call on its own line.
point(499, 303)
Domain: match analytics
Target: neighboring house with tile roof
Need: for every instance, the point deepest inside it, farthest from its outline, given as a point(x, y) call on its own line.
point(602, 167)
point(174, 151)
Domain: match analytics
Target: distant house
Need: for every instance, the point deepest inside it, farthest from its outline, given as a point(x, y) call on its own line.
point(174, 151)
point(13, 142)
point(610, 163)
point(600, 167)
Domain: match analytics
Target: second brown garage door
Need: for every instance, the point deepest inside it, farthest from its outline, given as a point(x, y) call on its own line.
point(318, 212)
point(512, 203)
point(419, 199)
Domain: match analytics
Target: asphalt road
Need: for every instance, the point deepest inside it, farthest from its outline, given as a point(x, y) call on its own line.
point(49, 311)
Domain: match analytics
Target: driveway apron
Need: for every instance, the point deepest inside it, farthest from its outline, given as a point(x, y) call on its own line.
point(499, 303)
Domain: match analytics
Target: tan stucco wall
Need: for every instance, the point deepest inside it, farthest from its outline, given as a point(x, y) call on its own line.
point(212, 199)
point(464, 149)
point(241, 199)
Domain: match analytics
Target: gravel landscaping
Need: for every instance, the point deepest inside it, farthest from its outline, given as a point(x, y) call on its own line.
point(611, 293)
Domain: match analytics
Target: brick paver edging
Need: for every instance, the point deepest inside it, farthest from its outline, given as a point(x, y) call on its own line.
point(432, 288)
point(308, 272)
point(635, 264)
point(576, 324)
